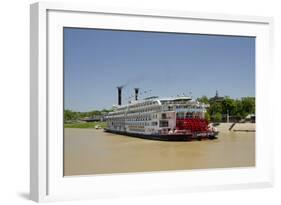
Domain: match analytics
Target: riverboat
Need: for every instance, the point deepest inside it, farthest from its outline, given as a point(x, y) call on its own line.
point(172, 118)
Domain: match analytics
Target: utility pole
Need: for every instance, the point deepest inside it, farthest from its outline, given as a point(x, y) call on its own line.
point(227, 117)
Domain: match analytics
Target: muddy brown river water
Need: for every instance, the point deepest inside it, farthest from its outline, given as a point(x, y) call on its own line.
point(90, 151)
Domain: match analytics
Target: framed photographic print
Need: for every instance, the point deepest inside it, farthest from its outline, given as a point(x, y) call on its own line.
point(131, 102)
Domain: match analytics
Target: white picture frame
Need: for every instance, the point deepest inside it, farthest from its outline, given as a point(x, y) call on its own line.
point(46, 162)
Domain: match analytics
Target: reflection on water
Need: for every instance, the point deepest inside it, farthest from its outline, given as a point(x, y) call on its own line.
point(90, 151)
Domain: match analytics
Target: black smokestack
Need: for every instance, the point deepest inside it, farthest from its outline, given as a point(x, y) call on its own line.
point(119, 94)
point(136, 93)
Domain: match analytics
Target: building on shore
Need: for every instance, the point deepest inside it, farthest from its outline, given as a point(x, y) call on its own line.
point(216, 98)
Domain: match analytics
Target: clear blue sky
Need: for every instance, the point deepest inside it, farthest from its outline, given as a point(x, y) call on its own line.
point(96, 61)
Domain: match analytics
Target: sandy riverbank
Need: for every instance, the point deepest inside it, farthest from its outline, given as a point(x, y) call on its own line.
point(224, 127)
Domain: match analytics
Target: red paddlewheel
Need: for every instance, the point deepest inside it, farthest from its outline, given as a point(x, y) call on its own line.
point(193, 124)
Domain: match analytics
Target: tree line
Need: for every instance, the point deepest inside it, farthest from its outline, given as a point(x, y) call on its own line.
point(217, 110)
point(237, 109)
point(70, 115)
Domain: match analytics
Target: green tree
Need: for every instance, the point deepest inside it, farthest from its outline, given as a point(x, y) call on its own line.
point(70, 115)
point(104, 111)
point(248, 105)
point(239, 106)
point(228, 106)
point(215, 107)
point(207, 116)
point(238, 116)
point(204, 99)
point(90, 114)
point(218, 117)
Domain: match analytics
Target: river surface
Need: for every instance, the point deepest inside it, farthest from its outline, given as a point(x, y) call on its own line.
point(90, 151)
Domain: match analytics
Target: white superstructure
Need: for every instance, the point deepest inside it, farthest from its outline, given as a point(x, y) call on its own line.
point(154, 116)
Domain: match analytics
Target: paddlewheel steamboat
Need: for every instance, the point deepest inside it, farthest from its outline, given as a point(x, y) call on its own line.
point(172, 118)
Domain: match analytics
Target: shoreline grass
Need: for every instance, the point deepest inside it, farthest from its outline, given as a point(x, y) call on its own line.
point(85, 125)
